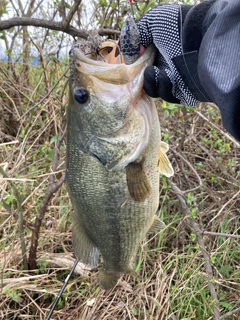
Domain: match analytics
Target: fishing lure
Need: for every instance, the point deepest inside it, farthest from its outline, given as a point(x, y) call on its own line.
point(130, 37)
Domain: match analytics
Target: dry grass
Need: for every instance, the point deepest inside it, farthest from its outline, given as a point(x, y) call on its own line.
point(173, 278)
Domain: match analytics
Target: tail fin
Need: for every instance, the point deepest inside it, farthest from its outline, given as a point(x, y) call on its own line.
point(107, 280)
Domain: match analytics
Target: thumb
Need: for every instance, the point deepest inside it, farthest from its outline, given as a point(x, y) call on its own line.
point(151, 81)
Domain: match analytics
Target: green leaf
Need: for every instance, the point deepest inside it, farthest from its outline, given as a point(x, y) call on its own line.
point(53, 139)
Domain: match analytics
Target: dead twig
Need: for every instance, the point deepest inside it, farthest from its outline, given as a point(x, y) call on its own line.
point(20, 280)
point(237, 144)
point(46, 96)
point(20, 218)
point(52, 188)
point(218, 234)
point(38, 221)
point(198, 232)
point(65, 261)
point(222, 208)
point(191, 167)
point(230, 313)
point(67, 19)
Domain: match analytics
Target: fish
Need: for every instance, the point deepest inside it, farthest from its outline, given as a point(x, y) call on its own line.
point(113, 160)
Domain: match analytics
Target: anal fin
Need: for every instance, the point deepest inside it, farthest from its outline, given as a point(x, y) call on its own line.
point(83, 248)
point(156, 225)
point(137, 181)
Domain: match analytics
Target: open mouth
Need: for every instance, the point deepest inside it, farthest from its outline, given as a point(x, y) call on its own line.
point(106, 51)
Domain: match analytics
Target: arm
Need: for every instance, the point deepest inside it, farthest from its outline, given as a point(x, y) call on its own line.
point(199, 54)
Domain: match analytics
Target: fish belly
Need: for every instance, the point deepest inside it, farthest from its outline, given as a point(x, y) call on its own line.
point(106, 217)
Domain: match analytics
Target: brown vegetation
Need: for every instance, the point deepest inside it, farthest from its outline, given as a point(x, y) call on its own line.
point(190, 270)
point(187, 271)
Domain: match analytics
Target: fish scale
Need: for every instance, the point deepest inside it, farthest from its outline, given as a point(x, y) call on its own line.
point(114, 208)
point(100, 199)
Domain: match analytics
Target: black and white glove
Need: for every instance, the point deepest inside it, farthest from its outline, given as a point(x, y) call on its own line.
point(163, 26)
point(199, 54)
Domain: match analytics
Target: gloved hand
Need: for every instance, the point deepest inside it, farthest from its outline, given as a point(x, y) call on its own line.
point(161, 27)
point(199, 52)
point(174, 77)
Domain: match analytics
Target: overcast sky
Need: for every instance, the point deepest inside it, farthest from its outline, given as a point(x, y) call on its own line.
point(33, 31)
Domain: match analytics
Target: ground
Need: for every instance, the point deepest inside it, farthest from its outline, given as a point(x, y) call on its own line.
point(186, 271)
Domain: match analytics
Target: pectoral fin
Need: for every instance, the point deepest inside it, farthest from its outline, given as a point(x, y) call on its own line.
point(156, 225)
point(137, 181)
point(83, 248)
point(165, 166)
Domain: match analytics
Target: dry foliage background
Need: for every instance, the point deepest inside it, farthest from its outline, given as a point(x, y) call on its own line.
point(190, 270)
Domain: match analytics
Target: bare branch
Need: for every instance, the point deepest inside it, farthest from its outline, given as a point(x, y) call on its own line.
point(63, 9)
point(30, 8)
point(205, 253)
point(39, 102)
point(222, 208)
point(235, 142)
point(25, 21)
point(104, 32)
point(230, 313)
point(52, 25)
point(66, 21)
point(52, 188)
point(218, 234)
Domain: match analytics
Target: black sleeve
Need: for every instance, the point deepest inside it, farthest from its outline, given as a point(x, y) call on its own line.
point(191, 34)
point(219, 61)
point(193, 28)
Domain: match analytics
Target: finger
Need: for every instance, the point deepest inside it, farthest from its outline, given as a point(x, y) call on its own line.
point(158, 84)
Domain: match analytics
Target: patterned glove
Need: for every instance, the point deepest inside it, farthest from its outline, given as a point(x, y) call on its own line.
point(162, 26)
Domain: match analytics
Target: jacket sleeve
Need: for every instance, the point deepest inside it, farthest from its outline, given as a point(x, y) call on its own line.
point(219, 61)
point(191, 33)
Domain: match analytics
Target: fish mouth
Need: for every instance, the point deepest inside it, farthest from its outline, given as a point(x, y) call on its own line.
point(114, 72)
point(119, 113)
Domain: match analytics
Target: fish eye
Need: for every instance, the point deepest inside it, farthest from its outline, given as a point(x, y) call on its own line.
point(81, 95)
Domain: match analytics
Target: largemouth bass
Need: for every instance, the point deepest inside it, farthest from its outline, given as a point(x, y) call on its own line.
point(114, 153)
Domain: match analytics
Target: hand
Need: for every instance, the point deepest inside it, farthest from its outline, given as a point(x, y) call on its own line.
point(161, 27)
